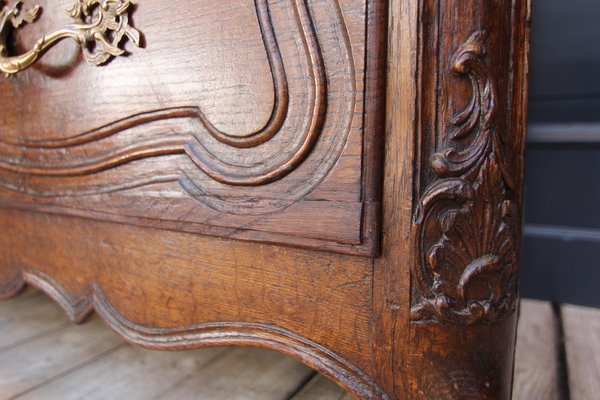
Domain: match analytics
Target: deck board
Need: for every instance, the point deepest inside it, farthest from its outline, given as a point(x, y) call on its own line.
point(581, 327)
point(39, 361)
point(537, 357)
point(28, 316)
point(321, 388)
point(127, 373)
point(243, 374)
point(44, 356)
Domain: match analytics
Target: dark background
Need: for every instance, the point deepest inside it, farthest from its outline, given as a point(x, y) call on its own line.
point(562, 200)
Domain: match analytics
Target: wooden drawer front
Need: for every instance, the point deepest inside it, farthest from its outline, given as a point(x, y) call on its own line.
point(256, 120)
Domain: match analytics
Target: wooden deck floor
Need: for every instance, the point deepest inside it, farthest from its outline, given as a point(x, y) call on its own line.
point(44, 356)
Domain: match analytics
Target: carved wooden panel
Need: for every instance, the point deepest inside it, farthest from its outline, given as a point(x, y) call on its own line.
point(244, 119)
point(468, 213)
point(262, 120)
point(467, 218)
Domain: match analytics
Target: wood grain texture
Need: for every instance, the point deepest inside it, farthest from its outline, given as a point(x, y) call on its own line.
point(27, 318)
point(537, 363)
point(130, 373)
point(189, 133)
point(22, 369)
point(581, 327)
point(432, 317)
point(160, 297)
point(471, 146)
point(391, 284)
point(261, 375)
point(467, 217)
point(135, 373)
point(458, 335)
point(126, 373)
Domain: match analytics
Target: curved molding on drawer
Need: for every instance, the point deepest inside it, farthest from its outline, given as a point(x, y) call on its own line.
point(215, 164)
point(202, 335)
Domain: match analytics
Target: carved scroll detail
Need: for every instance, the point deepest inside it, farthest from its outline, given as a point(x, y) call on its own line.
point(467, 216)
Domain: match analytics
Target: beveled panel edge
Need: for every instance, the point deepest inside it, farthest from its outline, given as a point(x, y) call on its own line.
point(374, 124)
point(369, 246)
point(371, 173)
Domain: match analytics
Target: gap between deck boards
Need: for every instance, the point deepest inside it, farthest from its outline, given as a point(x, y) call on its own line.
point(44, 356)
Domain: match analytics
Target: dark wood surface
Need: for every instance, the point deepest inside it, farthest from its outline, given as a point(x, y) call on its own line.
point(223, 185)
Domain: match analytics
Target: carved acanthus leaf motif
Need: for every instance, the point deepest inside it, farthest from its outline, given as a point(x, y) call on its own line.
point(466, 217)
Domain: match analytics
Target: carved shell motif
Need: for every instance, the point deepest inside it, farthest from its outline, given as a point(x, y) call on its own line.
point(466, 217)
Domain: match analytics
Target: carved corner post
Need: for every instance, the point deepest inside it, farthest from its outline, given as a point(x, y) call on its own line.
point(453, 184)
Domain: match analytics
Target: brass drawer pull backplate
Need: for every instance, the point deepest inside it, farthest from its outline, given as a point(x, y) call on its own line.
point(99, 27)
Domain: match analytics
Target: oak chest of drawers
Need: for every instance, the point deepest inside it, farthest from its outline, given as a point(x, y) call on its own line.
point(339, 180)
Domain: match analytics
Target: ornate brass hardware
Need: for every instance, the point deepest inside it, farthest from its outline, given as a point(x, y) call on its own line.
point(100, 27)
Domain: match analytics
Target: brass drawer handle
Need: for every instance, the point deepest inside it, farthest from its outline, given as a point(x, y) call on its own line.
point(99, 28)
